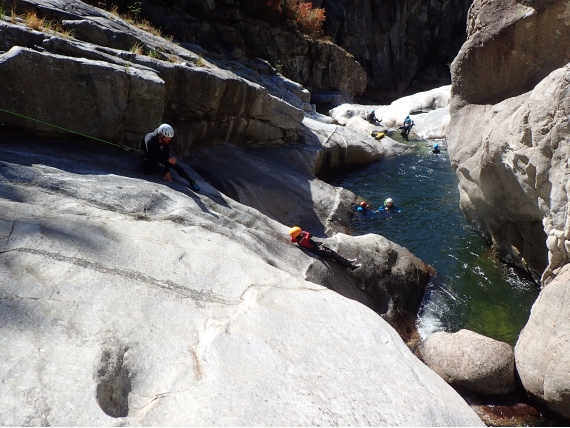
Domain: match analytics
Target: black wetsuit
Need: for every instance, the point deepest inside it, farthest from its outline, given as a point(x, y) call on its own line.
point(305, 240)
point(158, 154)
point(406, 128)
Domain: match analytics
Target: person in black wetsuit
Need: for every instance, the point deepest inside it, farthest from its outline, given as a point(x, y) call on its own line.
point(407, 127)
point(303, 239)
point(156, 146)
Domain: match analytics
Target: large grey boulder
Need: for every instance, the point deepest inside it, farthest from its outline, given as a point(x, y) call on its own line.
point(470, 362)
point(542, 352)
point(127, 301)
point(507, 133)
point(95, 98)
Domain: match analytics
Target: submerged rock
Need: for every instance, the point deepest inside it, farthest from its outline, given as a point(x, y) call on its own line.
point(470, 362)
point(509, 415)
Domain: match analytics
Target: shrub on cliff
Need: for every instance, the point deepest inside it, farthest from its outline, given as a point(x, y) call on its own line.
point(310, 20)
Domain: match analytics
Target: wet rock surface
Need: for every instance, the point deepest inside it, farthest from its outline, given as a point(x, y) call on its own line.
point(510, 415)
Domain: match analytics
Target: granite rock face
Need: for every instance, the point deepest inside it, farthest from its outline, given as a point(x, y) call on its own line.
point(205, 102)
point(470, 362)
point(98, 99)
point(128, 301)
point(509, 129)
point(238, 30)
point(508, 140)
point(543, 349)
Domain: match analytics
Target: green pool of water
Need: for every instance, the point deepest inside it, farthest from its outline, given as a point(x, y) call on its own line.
point(472, 290)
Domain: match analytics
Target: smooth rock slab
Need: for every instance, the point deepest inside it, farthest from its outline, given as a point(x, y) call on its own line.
point(470, 362)
point(127, 301)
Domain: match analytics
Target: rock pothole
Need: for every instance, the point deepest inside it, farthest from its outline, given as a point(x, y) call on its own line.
point(113, 383)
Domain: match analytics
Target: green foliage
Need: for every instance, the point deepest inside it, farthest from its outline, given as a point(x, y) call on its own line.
point(135, 10)
point(2, 12)
point(153, 53)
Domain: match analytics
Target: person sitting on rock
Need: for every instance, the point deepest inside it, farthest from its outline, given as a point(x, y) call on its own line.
point(363, 207)
point(389, 206)
point(436, 149)
point(304, 240)
point(156, 148)
point(371, 117)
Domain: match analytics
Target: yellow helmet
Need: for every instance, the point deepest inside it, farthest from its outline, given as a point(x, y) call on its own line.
point(295, 231)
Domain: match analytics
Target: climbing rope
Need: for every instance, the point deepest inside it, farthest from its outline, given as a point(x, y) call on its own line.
point(121, 146)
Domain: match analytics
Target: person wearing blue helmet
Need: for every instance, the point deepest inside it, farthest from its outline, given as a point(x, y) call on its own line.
point(436, 149)
point(406, 128)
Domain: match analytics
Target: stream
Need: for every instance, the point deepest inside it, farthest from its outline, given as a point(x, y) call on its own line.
point(472, 289)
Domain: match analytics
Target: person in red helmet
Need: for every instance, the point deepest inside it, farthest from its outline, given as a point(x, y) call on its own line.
point(304, 240)
point(363, 207)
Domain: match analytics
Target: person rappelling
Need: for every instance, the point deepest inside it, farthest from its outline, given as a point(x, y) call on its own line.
point(406, 128)
point(156, 155)
point(304, 240)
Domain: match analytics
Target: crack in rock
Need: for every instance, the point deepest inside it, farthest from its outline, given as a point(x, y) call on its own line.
point(197, 296)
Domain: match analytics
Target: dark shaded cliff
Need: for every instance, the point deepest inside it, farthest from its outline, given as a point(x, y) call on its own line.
point(404, 46)
point(387, 48)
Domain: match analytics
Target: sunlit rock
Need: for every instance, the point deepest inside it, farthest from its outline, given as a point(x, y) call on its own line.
point(394, 114)
point(128, 301)
point(542, 352)
point(470, 362)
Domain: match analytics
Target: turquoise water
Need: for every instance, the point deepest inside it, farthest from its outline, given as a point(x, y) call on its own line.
point(472, 289)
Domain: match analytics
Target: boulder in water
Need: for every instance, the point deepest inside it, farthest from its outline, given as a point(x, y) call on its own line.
point(470, 362)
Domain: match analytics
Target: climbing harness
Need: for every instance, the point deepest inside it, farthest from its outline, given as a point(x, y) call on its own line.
point(121, 146)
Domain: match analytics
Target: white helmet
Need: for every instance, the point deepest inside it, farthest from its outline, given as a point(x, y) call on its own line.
point(389, 200)
point(165, 130)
